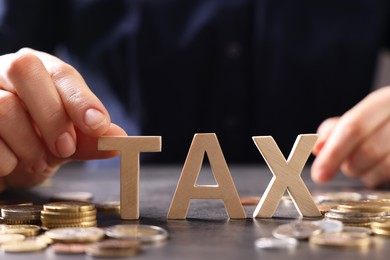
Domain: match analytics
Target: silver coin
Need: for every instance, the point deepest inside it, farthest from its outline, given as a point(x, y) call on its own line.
point(297, 229)
point(142, 233)
point(77, 234)
point(352, 229)
point(276, 243)
point(329, 225)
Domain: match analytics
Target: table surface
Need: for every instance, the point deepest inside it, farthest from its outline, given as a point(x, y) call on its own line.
point(207, 233)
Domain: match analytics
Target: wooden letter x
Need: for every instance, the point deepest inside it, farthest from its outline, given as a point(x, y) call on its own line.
point(187, 189)
point(287, 175)
point(130, 148)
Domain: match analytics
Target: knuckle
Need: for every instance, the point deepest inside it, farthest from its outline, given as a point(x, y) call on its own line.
point(53, 115)
point(25, 64)
point(59, 71)
point(352, 129)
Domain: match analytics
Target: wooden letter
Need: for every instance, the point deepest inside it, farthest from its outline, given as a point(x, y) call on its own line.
point(130, 147)
point(287, 175)
point(187, 189)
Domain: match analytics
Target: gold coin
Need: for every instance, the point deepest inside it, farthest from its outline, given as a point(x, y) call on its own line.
point(69, 207)
point(341, 239)
point(249, 200)
point(143, 233)
point(24, 246)
point(76, 235)
point(10, 238)
point(21, 210)
point(109, 207)
point(374, 206)
point(82, 224)
point(46, 219)
point(113, 248)
point(27, 230)
point(62, 215)
point(20, 222)
point(69, 248)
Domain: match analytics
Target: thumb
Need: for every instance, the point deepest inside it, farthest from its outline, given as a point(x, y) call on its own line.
point(87, 145)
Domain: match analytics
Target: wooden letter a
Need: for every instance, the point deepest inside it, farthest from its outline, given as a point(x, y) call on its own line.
point(187, 189)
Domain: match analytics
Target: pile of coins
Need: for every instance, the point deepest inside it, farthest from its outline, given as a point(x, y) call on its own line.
point(70, 227)
point(350, 219)
point(68, 214)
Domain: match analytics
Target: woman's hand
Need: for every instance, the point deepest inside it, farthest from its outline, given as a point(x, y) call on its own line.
point(358, 142)
point(48, 116)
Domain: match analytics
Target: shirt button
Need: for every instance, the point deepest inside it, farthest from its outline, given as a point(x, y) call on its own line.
point(233, 50)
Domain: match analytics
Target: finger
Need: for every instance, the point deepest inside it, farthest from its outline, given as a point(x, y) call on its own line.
point(368, 153)
point(19, 178)
point(324, 131)
point(378, 175)
point(40, 97)
point(83, 107)
point(8, 160)
point(16, 129)
point(352, 128)
point(87, 145)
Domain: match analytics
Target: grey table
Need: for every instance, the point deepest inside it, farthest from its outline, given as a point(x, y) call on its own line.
point(207, 233)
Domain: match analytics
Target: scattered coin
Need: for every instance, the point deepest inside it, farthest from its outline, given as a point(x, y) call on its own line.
point(276, 243)
point(109, 207)
point(73, 196)
point(249, 200)
point(24, 246)
point(114, 248)
point(340, 239)
point(363, 230)
point(26, 230)
point(337, 197)
point(69, 207)
point(329, 226)
point(10, 238)
point(373, 206)
point(297, 229)
point(69, 248)
point(143, 233)
point(76, 235)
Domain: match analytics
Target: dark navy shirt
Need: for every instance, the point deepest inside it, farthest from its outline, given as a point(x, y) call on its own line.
point(238, 68)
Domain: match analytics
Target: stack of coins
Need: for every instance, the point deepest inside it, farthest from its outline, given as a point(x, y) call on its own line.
point(109, 207)
point(354, 218)
point(381, 228)
point(21, 214)
point(68, 214)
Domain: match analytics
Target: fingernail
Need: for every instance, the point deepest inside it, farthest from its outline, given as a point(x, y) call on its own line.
point(65, 145)
point(94, 118)
point(40, 166)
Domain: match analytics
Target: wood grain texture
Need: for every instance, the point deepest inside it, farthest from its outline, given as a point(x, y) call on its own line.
point(187, 188)
point(287, 176)
point(130, 148)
